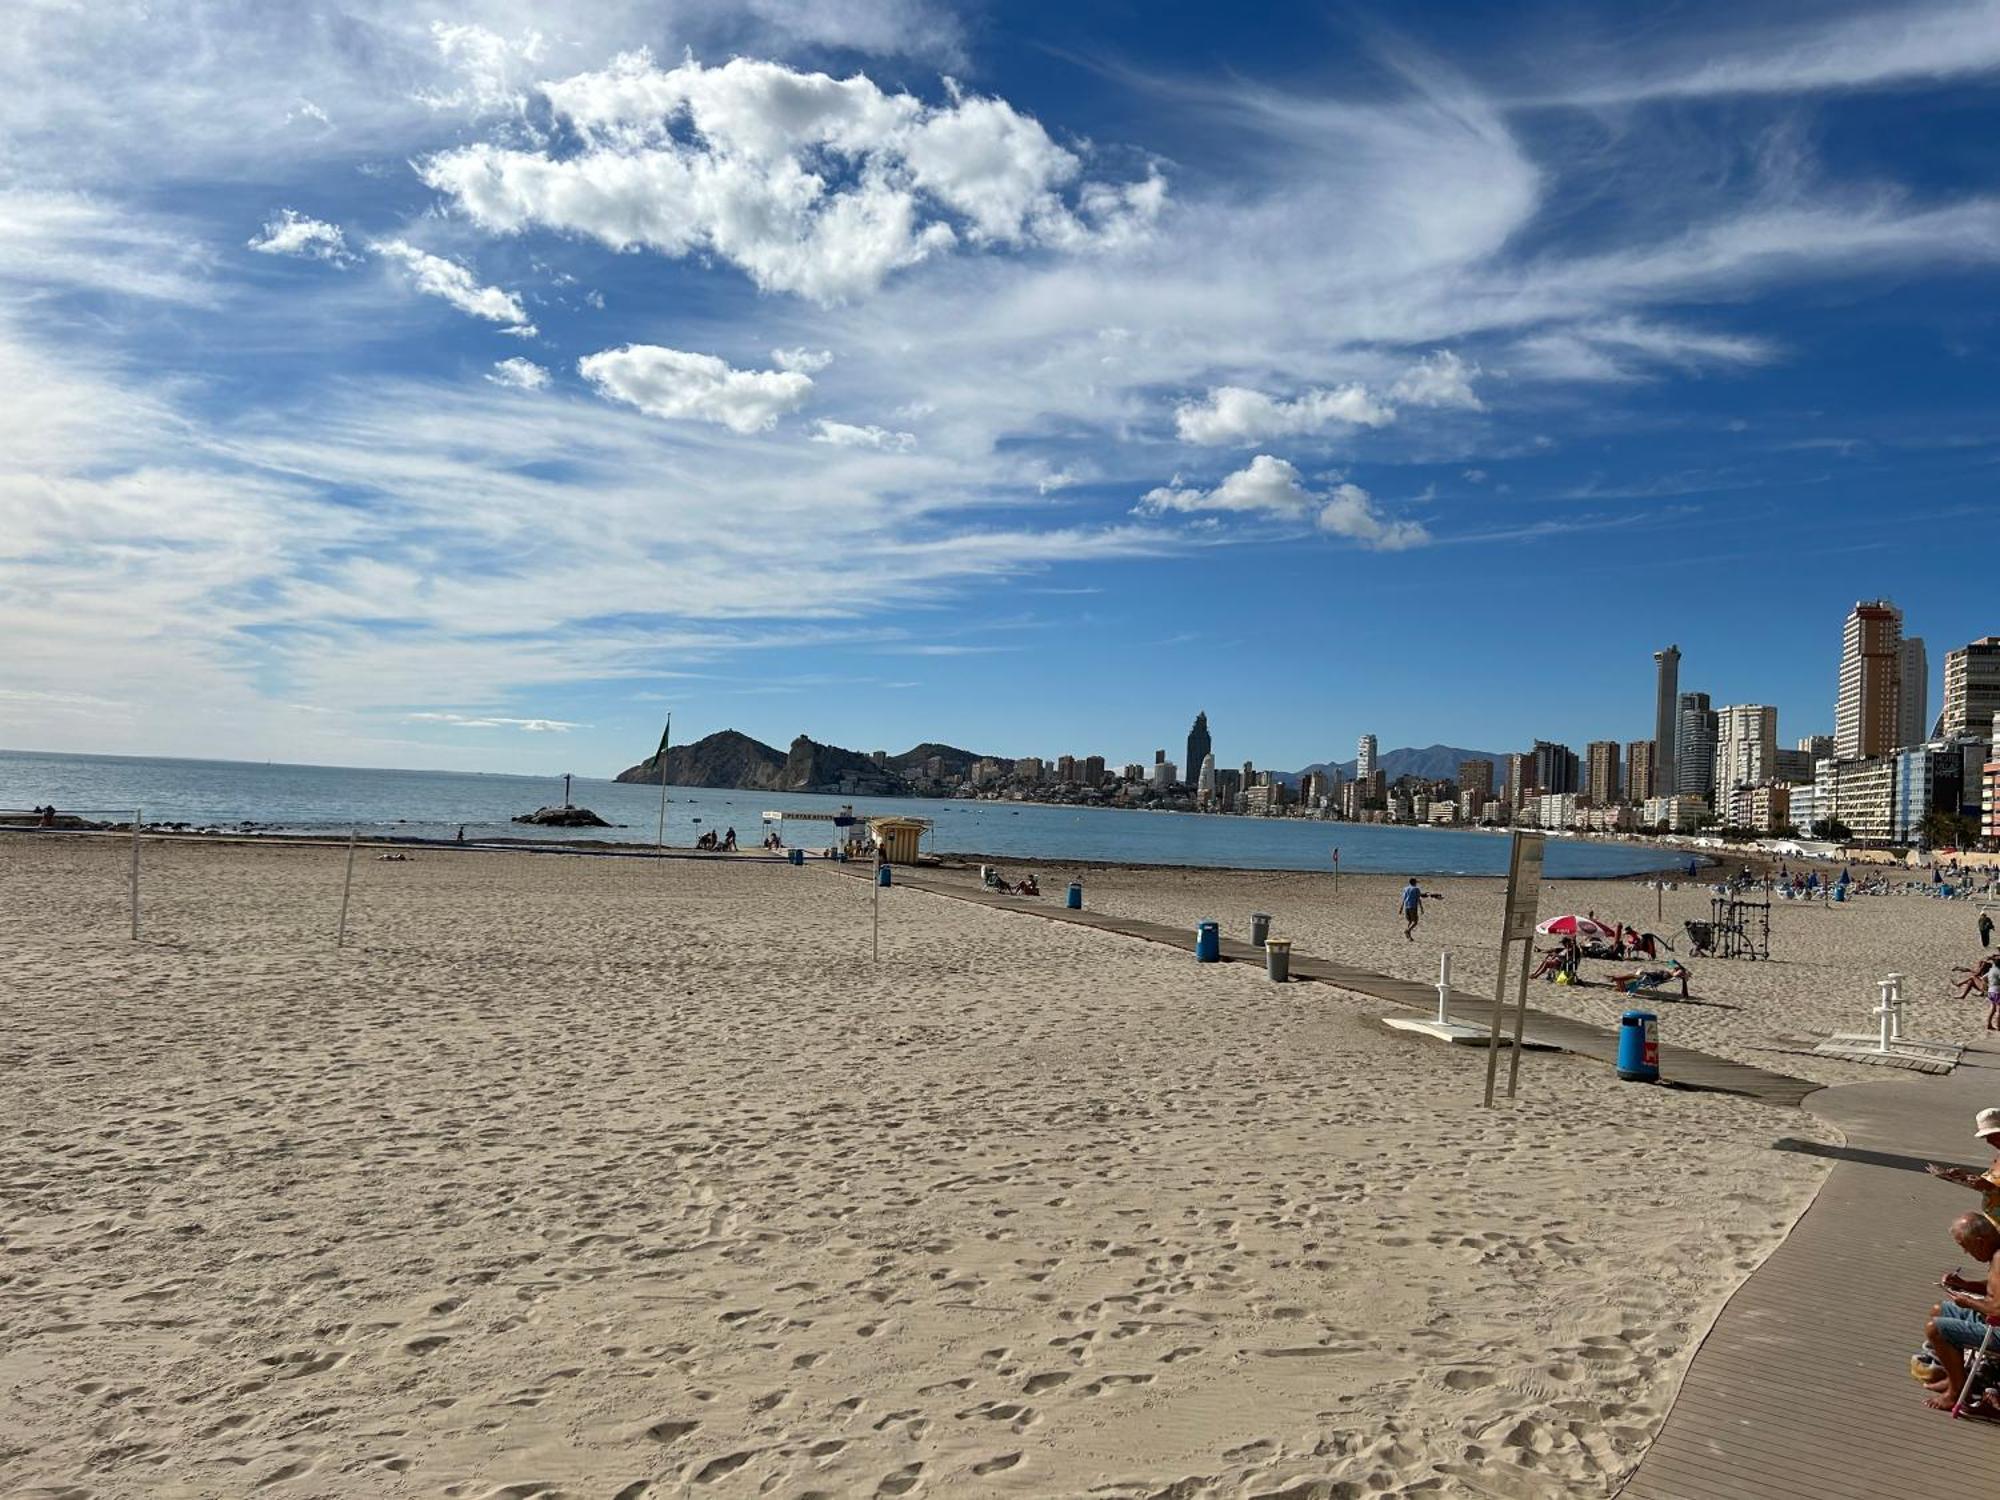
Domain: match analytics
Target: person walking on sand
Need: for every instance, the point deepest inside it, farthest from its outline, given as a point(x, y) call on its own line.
point(1985, 928)
point(1413, 909)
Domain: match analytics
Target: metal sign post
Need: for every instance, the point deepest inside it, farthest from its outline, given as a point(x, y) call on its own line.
point(347, 886)
point(1524, 893)
point(135, 874)
point(877, 883)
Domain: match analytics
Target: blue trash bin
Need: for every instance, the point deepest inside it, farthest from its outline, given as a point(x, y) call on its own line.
point(1639, 1047)
point(1207, 943)
point(882, 874)
point(1074, 901)
point(796, 856)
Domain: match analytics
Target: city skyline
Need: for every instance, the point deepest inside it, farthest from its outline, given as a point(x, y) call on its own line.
point(1413, 370)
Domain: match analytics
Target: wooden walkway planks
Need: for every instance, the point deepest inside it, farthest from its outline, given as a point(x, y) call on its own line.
point(1800, 1388)
point(1679, 1066)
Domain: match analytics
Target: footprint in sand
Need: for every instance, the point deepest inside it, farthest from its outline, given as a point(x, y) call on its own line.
point(996, 1465)
point(721, 1468)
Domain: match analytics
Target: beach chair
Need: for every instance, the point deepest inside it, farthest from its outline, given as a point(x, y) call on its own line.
point(1701, 938)
point(1978, 1373)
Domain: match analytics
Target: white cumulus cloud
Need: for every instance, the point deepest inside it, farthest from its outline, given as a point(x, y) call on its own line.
point(435, 276)
point(808, 183)
point(523, 374)
point(1440, 379)
point(678, 385)
point(811, 361)
point(290, 232)
point(1236, 414)
point(846, 435)
point(1273, 488)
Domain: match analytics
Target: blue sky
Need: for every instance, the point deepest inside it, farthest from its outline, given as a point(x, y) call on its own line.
point(467, 385)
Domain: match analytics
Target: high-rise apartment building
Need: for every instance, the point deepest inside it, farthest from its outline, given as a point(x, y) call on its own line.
point(1694, 748)
point(1520, 777)
point(1971, 688)
point(1093, 770)
point(1555, 768)
point(1204, 784)
point(1364, 758)
point(1476, 776)
point(1913, 694)
point(1640, 766)
point(1666, 719)
point(1601, 764)
point(1746, 747)
point(1818, 746)
point(1868, 714)
point(1197, 745)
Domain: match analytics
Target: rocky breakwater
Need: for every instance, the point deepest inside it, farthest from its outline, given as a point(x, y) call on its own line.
point(562, 817)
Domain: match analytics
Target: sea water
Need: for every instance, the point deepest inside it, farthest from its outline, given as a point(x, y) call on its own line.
point(436, 804)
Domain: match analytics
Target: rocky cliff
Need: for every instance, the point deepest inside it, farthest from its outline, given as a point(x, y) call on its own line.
point(730, 759)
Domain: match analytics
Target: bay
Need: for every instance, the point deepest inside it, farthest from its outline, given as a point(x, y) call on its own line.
point(436, 804)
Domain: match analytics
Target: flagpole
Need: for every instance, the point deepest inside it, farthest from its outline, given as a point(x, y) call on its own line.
point(660, 765)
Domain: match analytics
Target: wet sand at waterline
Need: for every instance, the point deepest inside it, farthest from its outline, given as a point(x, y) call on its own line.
point(601, 1177)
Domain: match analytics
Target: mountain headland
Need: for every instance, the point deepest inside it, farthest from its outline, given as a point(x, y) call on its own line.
point(732, 759)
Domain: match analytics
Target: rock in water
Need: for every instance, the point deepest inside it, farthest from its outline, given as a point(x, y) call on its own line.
point(562, 817)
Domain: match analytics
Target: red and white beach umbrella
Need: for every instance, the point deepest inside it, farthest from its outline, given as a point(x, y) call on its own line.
point(1571, 925)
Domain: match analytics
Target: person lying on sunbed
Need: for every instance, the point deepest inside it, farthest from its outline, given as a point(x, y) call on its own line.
point(1027, 887)
point(1958, 1323)
point(1653, 979)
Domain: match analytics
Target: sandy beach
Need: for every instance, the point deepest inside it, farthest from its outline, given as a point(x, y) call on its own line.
point(607, 1177)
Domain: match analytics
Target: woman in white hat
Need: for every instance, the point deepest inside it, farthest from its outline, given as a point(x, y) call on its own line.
point(1986, 1126)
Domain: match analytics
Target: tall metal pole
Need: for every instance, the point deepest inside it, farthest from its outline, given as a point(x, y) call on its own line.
point(135, 874)
point(347, 886)
point(878, 919)
point(660, 765)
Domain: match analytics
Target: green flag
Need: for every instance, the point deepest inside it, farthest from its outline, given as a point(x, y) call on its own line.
point(664, 733)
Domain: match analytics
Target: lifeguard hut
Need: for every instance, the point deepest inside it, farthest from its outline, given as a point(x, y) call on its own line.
point(898, 838)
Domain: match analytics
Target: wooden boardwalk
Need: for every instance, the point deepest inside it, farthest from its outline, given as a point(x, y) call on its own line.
point(1800, 1389)
point(1680, 1067)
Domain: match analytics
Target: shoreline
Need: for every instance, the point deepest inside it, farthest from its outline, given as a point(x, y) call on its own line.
point(952, 859)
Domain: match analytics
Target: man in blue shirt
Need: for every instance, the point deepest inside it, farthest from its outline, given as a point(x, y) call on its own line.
point(1413, 909)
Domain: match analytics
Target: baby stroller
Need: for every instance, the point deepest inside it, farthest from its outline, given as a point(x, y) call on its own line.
point(1701, 938)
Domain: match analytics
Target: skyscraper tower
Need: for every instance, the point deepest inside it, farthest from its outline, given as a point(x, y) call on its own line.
point(1694, 759)
point(1913, 702)
point(1198, 745)
point(1868, 713)
point(1364, 758)
point(1666, 720)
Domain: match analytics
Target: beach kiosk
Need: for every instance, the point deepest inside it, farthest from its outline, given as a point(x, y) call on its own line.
point(898, 838)
point(850, 833)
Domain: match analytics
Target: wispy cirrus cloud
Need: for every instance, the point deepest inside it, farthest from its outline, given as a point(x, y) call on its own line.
point(437, 276)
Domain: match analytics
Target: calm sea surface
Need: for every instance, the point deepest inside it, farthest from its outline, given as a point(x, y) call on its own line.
point(433, 804)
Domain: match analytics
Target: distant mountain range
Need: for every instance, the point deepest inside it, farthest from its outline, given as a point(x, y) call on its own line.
point(729, 759)
point(1432, 763)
